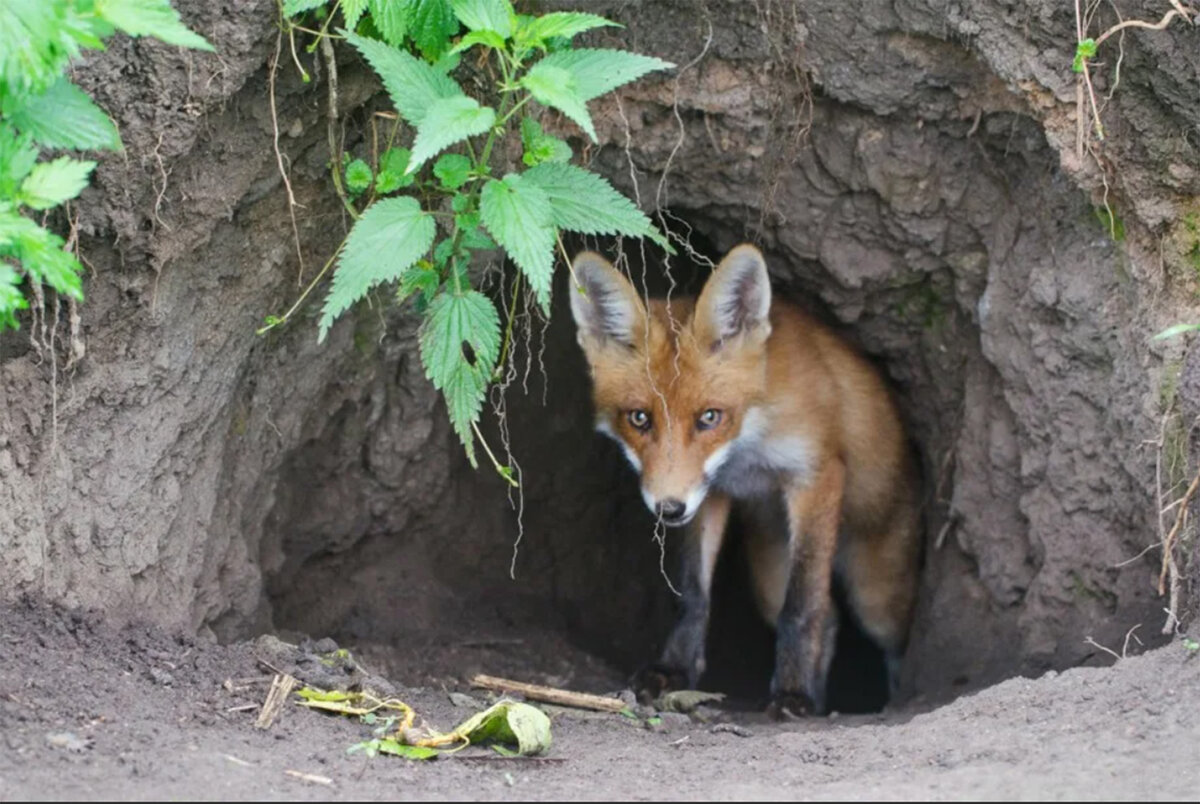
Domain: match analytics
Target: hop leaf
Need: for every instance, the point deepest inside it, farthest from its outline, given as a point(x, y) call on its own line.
point(557, 87)
point(460, 343)
point(597, 71)
point(393, 167)
point(452, 170)
point(485, 15)
point(413, 85)
point(65, 117)
point(564, 24)
point(358, 176)
point(431, 24)
point(541, 147)
point(150, 18)
point(518, 215)
point(390, 236)
point(51, 183)
point(447, 121)
point(584, 202)
point(391, 18)
point(353, 10)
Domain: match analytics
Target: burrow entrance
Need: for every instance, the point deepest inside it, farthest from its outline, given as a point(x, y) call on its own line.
point(952, 249)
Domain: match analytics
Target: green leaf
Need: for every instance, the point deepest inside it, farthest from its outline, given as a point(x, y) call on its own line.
point(597, 71)
point(558, 87)
point(389, 237)
point(37, 39)
point(485, 15)
point(11, 298)
point(1083, 50)
point(150, 18)
point(391, 17)
point(431, 24)
point(1175, 330)
point(358, 176)
point(564, 24)
point(353, 11)
point(65, 117)
point(460, 343)
point(584, 202)
point(293, 7)
point(487, 38)
point(452, 170)
point(17, 158)
point(413, 85)
point(518, 215)
point(447, 121)
point(422, 277)
point(40, 253)
point(541, 147)
point(389, 745)
point(519, 724)
point(393, 167)
point(51, 183)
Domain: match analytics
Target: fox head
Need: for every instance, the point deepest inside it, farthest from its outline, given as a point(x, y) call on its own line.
point(676, 383)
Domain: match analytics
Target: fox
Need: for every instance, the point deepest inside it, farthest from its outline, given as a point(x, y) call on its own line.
point(731, 397)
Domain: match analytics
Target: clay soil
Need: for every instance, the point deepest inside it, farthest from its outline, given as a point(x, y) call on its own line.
point(88, 712)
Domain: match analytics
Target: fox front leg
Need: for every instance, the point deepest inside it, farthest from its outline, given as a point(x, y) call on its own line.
point(807, 626)
point(682, 661)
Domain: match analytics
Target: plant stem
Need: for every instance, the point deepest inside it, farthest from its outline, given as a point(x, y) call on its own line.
point(500, 470)
point(316, 280)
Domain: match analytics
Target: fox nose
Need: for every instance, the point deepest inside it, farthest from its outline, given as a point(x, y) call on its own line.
point(671, 510)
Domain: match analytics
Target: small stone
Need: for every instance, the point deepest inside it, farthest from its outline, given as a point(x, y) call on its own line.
point(67, 741)
point(162, 676)
point(465, 701)
point(325, 645)
point(731, 728)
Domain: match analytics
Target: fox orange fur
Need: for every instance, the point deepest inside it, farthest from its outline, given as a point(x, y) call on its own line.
point(730, 397)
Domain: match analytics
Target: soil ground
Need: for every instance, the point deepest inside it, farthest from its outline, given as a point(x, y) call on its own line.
point(89, 712)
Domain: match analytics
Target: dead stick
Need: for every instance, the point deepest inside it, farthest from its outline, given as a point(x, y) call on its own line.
point(281, 687)
point(536, 692)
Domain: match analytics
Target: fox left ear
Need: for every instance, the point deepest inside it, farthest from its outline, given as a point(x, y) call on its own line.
point(736, 300)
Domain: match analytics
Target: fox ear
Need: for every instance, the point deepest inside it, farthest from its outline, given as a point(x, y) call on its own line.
point(736, 300)
point(605, 305)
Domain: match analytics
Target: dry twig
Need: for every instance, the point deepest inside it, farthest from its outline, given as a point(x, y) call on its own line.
point(554, 695)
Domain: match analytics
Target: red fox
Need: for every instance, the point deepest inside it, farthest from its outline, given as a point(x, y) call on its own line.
point(730, 397)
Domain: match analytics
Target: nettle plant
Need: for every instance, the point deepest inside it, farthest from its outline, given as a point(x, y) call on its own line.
point(426, 216)
point(41, 109)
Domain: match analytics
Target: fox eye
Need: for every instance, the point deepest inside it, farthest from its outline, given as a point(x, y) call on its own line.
point(640, 420)
point(708, 419)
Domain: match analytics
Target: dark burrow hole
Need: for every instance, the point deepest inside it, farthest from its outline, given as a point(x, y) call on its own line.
point(429, 596)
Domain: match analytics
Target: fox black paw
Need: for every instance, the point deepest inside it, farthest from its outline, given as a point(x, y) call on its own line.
point(651, 682)
point(791, 706)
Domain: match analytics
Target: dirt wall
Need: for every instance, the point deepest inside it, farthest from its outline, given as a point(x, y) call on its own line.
point(911, 173)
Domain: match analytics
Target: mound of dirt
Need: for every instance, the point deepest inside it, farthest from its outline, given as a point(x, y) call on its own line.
point(89, 712)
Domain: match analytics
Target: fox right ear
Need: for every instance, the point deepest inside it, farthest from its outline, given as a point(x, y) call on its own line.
point(605, 305)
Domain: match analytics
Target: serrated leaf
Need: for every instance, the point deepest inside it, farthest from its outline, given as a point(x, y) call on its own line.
point(293, 7)
point(17, 158)
point(518, 215)
point(431, 24)
point(452, 170)
point(597, 71)
point(557, 87)
point(487, 38)
point(40, 253)
point(584, 202)
point(540, 147)
point(391, 18)
point(11, 298)
point(34, 47)
point(485, 15)
point(421, 277)
point(65, 117)
point(447, 121)
point(389, 237)
point(358, 176)
point(565, 24)
point(392, 167)
point(460, 343)
point(51, 183)
point(413, 85)
point(151, 18)
point(353, 11)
